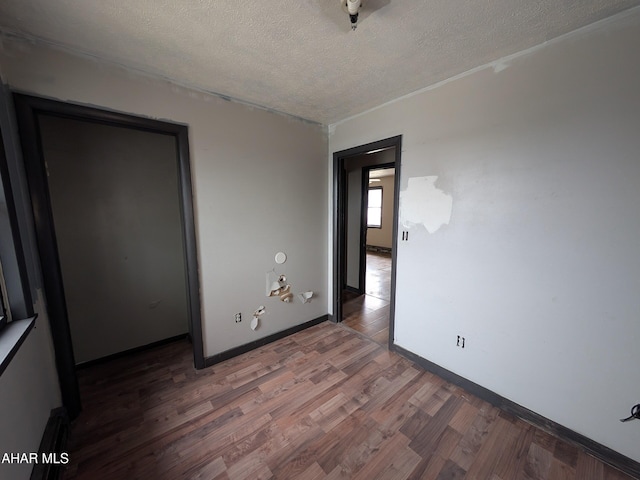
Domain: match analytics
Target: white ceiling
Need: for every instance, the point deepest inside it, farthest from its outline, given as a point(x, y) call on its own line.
point(300, 56)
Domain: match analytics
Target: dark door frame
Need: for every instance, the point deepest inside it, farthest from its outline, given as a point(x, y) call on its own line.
point(27, 110)
point(339, 221)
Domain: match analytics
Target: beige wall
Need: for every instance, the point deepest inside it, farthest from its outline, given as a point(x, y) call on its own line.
point(383, 237)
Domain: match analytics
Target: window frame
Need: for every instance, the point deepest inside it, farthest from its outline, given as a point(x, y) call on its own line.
point(369, 207)
point(5, 311)
point(15, 292)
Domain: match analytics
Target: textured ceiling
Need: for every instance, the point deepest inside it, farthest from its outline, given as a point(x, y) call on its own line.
point(300, 56)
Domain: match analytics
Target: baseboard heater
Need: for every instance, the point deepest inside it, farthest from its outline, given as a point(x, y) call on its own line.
point(52, 455)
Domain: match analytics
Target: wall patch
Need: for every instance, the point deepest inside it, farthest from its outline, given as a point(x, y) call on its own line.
point(422, 203)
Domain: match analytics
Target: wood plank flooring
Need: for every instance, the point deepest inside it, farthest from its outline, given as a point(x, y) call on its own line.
point(325, 403)
point(369, 313)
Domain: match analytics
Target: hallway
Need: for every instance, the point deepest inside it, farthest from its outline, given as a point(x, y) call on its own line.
point(369, 313)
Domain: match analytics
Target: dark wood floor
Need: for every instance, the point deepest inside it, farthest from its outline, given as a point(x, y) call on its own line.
point(369, 313)
point(325, 403)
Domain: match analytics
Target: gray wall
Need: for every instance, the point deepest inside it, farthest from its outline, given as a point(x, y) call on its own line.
point(539, 263)
point(115, 203)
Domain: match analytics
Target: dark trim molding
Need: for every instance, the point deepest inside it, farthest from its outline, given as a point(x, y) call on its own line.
point(247, 347)
point(54, 441)
point(131, 351)
point(28, 108)
point(605, 454)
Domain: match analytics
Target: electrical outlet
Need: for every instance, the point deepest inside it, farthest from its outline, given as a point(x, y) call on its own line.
point(460, 342)
point(238, 317)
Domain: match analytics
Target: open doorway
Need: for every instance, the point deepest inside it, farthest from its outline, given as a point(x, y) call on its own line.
point(366, 196)
point(368, 311)
point(111, 197)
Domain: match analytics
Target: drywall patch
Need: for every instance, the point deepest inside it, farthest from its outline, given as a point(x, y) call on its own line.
point(422, 203)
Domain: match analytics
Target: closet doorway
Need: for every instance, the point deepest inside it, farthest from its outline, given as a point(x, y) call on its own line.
point(111, 196)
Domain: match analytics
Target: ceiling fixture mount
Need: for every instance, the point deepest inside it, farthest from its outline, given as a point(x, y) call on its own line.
point(353, 9)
